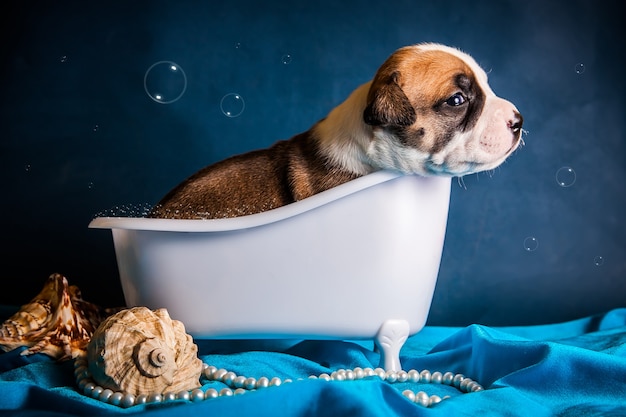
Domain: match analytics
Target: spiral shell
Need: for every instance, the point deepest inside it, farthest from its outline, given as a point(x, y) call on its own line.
point(57, 322)
point(143, 351)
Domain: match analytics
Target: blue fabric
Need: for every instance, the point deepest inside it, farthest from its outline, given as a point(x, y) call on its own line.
point(575, 368)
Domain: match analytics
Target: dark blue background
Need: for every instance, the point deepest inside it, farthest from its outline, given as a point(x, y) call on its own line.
point(80, 135)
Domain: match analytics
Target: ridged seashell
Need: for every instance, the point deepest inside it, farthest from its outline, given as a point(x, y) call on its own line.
point(57, 322)
point(141, 351)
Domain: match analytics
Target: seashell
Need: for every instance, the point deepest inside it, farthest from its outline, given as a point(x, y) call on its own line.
point(56, 322)
point(141, 351)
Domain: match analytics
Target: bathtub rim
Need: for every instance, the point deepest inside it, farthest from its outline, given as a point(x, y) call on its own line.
point(253, 220)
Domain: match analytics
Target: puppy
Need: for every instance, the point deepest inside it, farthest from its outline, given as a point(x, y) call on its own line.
point(428, 111)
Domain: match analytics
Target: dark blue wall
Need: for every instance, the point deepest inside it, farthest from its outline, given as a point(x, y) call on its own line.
point(528, 243)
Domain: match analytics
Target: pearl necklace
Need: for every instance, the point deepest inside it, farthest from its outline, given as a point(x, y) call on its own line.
point(240, 384)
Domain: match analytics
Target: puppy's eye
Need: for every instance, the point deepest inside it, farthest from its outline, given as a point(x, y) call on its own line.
point(456, 100)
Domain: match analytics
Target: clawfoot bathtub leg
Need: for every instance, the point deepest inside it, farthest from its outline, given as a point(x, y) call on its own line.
point(389, 340)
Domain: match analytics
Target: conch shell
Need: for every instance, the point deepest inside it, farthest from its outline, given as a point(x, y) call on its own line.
point(57, 322)
point(141, 351)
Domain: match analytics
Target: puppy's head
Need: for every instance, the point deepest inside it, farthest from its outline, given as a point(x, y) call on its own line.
point(433, 113)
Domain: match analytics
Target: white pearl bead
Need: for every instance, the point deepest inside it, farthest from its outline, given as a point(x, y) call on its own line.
point(141, 399)
point(226, 392)
point(414, 376)
point(391, 376)
point(196, 395)
point(336, 376)
point(97, 390)
point(369, 372)
point(116, 398)
point(349, 375)
point(211, 393)
point(169, 396)
point(87, 387)
point(84, 382)
point(154, 398)
point(458, 378)
point(325, 377)
point(275, 382)
point(79, 370)
point(422, 399)
point(250, 383)
point(358, 373)
point(434, 399)
point(380, 372)
point(209, 371)
point(217, 375)
point(436, 377)
point(183, 395)
point(240, 391)
point(228, 378)
point(448, 378)
point(425, 376)
point(128, 400)
point(262, 382)
point(239, 382)
point(403, 376)
point(409, 394)
point(105, 395)
point(464, 384)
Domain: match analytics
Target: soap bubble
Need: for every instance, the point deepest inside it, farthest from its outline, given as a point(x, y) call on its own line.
point(165, 82)
point(232, 105)
point(579, 68)
point(565, 177)
point(286, 59)
point(531, 244)
point(598, 261)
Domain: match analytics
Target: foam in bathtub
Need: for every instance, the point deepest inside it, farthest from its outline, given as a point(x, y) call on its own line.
point(357, 261)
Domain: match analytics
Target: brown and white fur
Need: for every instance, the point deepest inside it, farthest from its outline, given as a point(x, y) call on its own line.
point(428, 111)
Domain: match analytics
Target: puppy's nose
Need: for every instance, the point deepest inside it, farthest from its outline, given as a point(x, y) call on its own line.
point(515, 123)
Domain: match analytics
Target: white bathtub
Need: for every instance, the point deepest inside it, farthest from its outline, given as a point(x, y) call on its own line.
point(358, 261)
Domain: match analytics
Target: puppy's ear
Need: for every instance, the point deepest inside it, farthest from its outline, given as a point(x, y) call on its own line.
point(388, 105)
